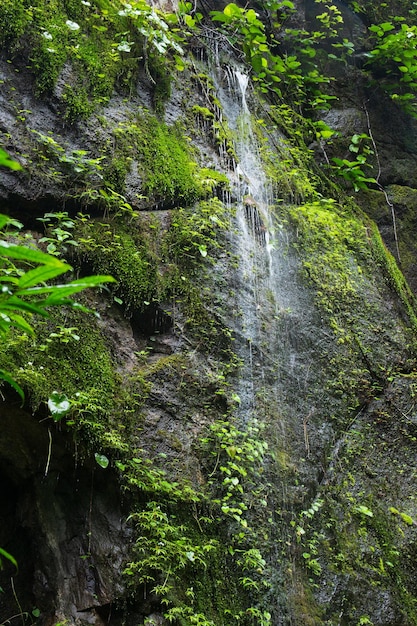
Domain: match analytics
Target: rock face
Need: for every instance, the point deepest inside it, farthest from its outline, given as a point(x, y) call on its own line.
point(241, 443)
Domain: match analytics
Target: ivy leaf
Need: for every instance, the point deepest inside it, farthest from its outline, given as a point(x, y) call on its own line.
point(59, 405)
point(101, 460)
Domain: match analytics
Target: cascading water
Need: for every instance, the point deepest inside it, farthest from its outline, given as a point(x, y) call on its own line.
point(273, 327)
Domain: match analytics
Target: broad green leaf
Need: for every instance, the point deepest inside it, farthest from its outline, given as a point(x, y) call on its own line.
point(5, 220)
point(218, 16)
point(6, 161)
point(39, 275)
point(15, 304)
point(8, 379)
point(386, 26)
point(59, 405)
point(7, 279)
point(101, 460)
point(363, 510)
point(60, 292)
point(232, 10)
point(257, 62)
point(251, 16)
point(19, 322)
point(29, 254)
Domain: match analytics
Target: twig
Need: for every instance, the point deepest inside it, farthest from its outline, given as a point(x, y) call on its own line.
point(49, 453)
point(389, 203)
point(22, 613)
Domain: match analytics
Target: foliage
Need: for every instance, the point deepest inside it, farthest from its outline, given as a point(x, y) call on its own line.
point(165, 163)
point(24, 273)
point(76, 163)
point(352, 171)
point(177, 550)
point(103, 43)
point(6, 161)
point(394, 55)
point(151, 25)
point(5, 555)
point(278, 74)
point(25, 292)
point(195, 232)
point(113, 248)
point(59, 235)
point(298, 64)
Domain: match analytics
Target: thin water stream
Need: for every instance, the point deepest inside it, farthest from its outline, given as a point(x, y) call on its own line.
point(273, 325)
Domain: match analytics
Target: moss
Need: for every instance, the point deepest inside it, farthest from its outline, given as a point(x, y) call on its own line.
point(110, 249)
point(46, 61)
point(204, 112)
point(190, 248)
point(114, 175)
point(84, 38)
point(77, 103)
point(196, 233)
point(288, 163)
point(64, 363)
point(352, 533)
point(331, 238)
point(13, 20)
point(211, 121)
point(164, 160)
point(340, 253)
point(394, 277)
point(161, 77)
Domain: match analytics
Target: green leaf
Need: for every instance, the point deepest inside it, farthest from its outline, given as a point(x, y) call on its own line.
point(5, 220)
point(6, 161)
point(59, 405)
point(385, 26)
point(15, 304)
point(39, 275)
point(218, 16)
point(232, 10)
point(8, 556)
point(19, 322)
point(101, 460)
point(252, 17)
point(23, 253)
point(8, 379)
point(407, 519)
point(363, 510)
point(59, 294)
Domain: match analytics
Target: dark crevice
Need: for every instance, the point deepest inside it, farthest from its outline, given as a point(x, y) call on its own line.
point(152, 320)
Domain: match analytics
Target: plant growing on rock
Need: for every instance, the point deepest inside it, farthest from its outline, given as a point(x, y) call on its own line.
point(393, 58)
point(352, 171)
point(25, 290)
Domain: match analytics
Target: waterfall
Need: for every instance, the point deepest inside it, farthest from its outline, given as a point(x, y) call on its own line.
point(253, 241)
point(272, 327)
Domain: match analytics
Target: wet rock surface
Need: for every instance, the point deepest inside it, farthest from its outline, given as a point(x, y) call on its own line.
point(64, 516)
